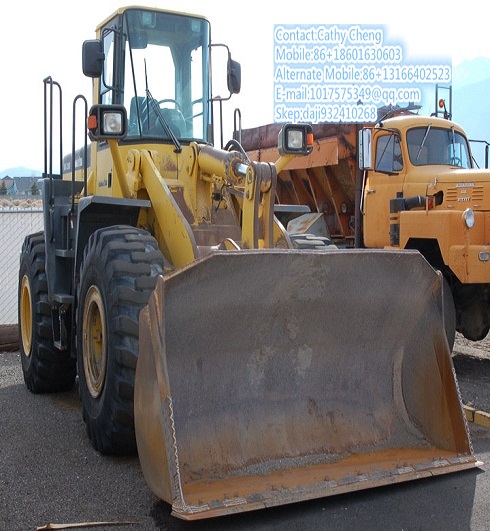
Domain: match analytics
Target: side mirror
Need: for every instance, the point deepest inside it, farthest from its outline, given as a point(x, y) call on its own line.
point(364, 151)
point(234, 76)
point(93, 58)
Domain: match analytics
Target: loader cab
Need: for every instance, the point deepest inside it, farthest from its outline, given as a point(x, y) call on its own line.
point(157, 65)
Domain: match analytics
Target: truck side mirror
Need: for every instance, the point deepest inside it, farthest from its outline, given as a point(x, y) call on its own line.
point(234, 76)
point(93, 58)
point(364, 151)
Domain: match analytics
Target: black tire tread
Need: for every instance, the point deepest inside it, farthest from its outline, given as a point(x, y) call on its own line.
point(130, 262)
point(46, 369)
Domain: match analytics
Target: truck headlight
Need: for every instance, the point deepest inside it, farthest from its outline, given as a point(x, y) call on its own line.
point(469, 218)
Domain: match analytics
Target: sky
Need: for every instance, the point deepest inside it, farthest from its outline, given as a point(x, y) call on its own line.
point(40, 39)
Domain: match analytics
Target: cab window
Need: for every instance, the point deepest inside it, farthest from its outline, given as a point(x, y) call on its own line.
point(388, 154)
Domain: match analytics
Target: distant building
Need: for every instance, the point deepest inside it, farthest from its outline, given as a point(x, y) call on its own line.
point(20, 187)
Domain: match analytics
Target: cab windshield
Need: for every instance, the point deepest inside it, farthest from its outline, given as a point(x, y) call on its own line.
point(164, 83)
point(432, 145)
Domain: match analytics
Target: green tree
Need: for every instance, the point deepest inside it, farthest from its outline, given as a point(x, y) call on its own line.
point(34, 189)
point(3, 188)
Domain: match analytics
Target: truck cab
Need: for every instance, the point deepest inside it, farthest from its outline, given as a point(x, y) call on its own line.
point(420, 190)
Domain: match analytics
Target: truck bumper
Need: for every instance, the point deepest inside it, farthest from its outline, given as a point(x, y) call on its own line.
point(470, 263)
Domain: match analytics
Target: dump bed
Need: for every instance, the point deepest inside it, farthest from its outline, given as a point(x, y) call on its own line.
point(325, 181)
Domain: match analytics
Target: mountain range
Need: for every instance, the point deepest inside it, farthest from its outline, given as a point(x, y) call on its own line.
point(471, 104)
point(20, 171)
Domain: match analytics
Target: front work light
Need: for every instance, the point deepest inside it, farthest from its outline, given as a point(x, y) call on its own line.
point(295, 139)
point(113, 123)
point(106, 122)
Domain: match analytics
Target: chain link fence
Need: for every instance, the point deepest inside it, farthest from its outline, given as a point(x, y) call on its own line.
point(15, 225)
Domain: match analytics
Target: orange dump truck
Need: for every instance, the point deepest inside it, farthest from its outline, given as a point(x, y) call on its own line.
point(408, 182)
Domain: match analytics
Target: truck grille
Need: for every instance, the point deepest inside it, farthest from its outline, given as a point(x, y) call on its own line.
point(465, 195)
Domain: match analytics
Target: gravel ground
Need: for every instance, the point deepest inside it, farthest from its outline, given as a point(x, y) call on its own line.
point(476, 349)
point(49, 472)
point(472, 364)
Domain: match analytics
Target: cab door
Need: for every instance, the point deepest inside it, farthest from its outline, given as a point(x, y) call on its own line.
point(381, 184)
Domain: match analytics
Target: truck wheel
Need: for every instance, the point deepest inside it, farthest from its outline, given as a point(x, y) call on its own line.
point(474, 319)
point(45, 368)
point(118, 273)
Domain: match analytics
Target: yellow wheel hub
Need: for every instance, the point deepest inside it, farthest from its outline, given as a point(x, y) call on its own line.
point(25, 308)
point(94, 342)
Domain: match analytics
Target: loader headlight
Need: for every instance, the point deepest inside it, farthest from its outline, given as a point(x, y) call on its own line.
point(107, 121)
point(295, 139)
point(112, 124)
point(469, 218)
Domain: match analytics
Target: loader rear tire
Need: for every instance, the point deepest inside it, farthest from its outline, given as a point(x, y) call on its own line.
point(45, 368)
point(118, 273)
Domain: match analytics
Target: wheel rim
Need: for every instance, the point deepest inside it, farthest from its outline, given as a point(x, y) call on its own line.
point(94, 342)
point(25, 308)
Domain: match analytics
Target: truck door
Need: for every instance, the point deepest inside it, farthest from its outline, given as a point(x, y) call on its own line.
point(382, 184)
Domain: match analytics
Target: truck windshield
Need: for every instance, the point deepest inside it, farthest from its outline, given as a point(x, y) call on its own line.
point(166, 88)
point(433, 145)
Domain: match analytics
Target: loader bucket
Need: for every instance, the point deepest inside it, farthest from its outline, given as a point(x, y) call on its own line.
point(274, 376)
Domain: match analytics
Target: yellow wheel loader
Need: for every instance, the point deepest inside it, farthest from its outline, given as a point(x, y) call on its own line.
point(247, 373)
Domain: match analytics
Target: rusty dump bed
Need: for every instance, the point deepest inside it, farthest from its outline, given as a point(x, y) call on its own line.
point(325, 180)
point(270, 377)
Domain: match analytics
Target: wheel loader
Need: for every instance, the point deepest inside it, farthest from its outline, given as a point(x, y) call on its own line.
point(245, 372)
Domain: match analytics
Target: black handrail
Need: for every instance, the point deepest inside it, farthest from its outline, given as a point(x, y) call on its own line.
point(48, 126)
point(73, 162)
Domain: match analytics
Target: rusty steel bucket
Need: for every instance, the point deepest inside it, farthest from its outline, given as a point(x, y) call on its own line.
point(274, 376)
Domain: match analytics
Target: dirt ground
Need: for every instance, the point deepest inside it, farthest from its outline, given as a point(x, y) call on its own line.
point(472, 363)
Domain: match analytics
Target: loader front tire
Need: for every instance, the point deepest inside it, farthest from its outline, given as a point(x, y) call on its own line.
point(118, 273)
point(45, 368)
